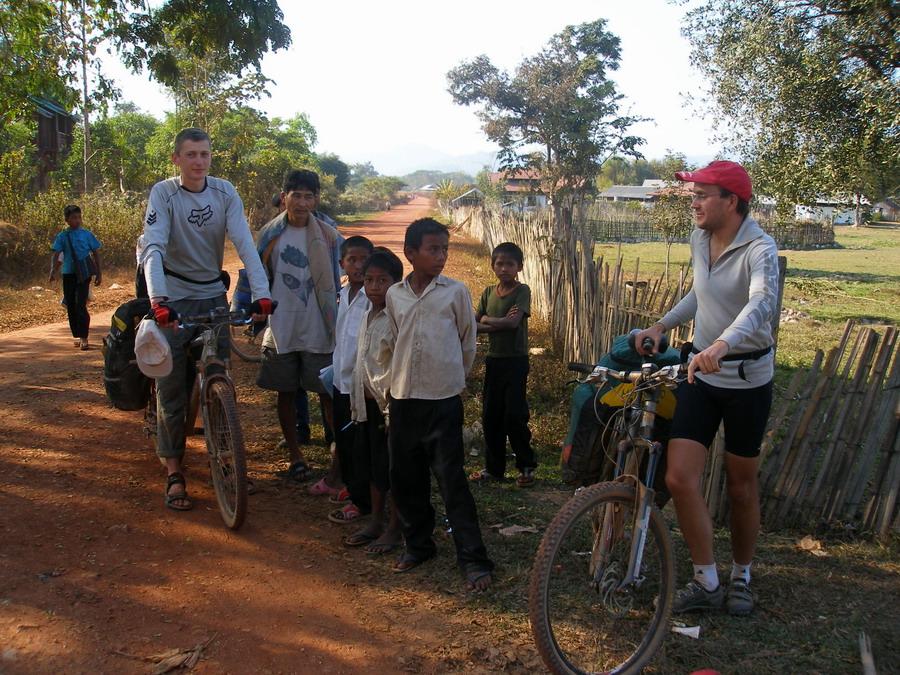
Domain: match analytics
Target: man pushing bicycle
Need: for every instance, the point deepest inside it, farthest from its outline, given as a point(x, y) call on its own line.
point(187, 220)
point(729, 378)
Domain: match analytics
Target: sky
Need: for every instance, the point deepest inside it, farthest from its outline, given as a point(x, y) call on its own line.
point(372, 76)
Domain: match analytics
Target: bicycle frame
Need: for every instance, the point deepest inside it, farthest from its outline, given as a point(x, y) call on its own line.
point(636, 437)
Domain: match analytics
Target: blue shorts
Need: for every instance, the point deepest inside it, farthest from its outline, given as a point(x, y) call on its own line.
point(702, 408)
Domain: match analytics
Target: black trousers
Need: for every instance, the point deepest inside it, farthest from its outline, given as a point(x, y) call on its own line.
point(357, 482)
point(505, 414)
point(76, 296)
point(426, 437)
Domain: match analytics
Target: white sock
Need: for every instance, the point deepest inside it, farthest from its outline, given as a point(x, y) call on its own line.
point(707, 576)
point(741, 572)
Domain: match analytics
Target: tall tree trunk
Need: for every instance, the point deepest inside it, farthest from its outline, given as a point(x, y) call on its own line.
point(84, 108)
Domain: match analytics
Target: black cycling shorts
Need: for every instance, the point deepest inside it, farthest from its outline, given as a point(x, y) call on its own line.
point(702, 407)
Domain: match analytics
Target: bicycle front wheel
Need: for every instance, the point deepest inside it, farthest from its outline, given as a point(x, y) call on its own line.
point(245, 344)
point(582, 618)
point(227, 463)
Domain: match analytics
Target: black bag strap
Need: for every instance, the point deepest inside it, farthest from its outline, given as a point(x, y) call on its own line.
point(170, 273)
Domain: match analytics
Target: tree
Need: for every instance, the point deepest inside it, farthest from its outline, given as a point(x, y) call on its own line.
point(671, 216)
point(331, 165)
point(561, 101)
point(807, 90)
point(30, 52)
point(362, 172)
point(120, 155)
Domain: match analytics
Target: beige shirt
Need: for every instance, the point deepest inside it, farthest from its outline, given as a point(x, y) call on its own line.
point(434, 339)
point(372, 369)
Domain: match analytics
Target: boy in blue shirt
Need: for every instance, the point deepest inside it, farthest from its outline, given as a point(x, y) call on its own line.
point(503, 314)
point(75, 243)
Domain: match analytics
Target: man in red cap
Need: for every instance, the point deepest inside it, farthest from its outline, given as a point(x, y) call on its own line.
point(729, 378)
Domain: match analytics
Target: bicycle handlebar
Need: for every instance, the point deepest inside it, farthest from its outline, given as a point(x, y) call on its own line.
point(649, 373)
point(219, 315)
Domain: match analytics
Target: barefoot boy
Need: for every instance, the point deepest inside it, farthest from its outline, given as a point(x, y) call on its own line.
point(368, 400)
point(434, 332)
point(503, 314)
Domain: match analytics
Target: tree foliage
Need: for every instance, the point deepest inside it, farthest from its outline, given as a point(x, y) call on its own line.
point(560, 100)
point(807, 90)
point(331, 165)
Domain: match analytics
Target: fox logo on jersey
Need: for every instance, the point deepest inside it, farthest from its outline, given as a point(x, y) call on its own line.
point(199, 217)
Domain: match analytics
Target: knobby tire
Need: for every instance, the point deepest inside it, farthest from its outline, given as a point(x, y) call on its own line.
point(580, 628)
point(227, 461)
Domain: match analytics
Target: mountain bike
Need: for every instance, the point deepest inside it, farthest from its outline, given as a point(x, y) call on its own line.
point(603, 580)
point(218, 409)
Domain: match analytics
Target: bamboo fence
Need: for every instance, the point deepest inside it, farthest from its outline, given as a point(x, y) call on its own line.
point(830, 454)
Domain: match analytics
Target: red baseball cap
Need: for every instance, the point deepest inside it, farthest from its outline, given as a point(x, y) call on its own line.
point(729, 175)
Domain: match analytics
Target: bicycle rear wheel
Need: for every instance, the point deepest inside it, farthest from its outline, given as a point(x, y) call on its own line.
point(227, 463)
point(581, 621)
point(245, 344)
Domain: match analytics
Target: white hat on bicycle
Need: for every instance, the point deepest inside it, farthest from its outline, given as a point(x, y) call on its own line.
point(151, 349)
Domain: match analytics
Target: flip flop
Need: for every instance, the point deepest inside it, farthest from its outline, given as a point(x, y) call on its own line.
point(298, 471)
point(359, 539)
point(473, 577)
point(375, 548)
point(406, 562)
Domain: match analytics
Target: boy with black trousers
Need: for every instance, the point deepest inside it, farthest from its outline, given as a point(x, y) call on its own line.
point(368, 400)
point(433, 328)
point(352, 307)
point(503, 314)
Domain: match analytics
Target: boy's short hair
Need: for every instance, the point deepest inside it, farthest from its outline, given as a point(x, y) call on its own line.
point(356, 241)
point(743, 206)
point(384, 259)
point(70, 209)
point(301, 178)
point(419, 228)
point(190, 134)
point(510, 250)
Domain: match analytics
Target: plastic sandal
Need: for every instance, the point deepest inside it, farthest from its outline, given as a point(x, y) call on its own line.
point(340, 497)
point(177, 478)
point(346, 514)
point(320, 487)
point(526, 478)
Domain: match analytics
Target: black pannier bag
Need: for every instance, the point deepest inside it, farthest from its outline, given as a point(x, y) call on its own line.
point(126, 386)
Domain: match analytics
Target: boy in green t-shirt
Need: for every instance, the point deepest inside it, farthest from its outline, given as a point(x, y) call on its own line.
point(503, 313)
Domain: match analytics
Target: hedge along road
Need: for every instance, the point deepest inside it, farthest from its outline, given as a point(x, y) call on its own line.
point(98, 576)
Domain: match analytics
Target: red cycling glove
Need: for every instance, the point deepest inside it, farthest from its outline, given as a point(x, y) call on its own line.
point(164, 315)
point(263, 306)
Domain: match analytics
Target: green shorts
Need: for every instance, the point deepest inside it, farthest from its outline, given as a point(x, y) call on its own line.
point(292, 371)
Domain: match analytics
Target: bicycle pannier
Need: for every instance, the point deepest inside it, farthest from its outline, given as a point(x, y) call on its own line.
point(588, 453)
point(126, 386)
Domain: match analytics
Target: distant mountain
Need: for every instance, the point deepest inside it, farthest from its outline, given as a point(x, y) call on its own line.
point(412, 157)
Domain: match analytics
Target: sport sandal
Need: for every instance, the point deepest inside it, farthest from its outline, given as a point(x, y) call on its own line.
point(693, 597)
point(740, 598)
point(526, 478)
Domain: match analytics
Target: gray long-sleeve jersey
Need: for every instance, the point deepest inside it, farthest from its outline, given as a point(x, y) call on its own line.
point(733, 301)
point(185, 231)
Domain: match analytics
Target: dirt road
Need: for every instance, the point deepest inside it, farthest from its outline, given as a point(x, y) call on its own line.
point(97, 576)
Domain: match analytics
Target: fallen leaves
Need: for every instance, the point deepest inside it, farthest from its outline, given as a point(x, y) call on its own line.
point(812, 546)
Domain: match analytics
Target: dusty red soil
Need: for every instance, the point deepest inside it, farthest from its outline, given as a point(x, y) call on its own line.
point(97, 576)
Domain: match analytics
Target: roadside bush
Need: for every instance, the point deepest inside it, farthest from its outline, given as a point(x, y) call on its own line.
point(116, 219)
